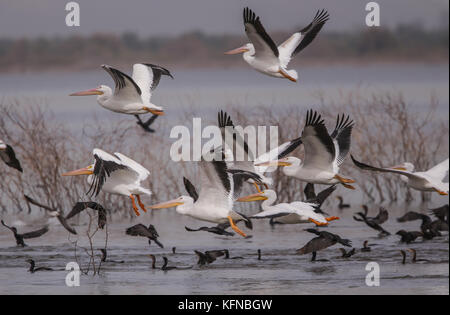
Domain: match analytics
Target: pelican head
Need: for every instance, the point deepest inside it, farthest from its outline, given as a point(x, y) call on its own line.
point(88, 170)
point(247, 48)
point(100, 90)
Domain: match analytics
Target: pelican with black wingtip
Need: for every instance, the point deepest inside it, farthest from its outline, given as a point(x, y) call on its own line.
point(131, 94)
point(219, 185)
point(265, 56)
point(324, 152)
point(115, 174)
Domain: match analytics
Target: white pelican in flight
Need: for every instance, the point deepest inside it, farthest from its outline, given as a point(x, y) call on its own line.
point(115, 174)
point(293, 212)
point(9, 157)
point(238, 143)
point(264, 55)
point(431, 180)
point(131, 94)
point(324, 153)
point(215, 201)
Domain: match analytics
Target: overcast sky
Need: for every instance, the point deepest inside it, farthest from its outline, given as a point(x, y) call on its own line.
point(32, 18)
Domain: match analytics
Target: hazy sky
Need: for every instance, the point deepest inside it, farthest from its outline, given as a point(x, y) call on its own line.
point(31, 18)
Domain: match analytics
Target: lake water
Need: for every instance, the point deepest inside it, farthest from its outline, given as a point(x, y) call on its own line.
point(280, 271)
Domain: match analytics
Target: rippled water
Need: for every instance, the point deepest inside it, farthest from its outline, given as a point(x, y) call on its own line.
point(279, 272)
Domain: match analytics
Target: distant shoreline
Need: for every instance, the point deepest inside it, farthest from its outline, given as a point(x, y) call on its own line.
point(408, 44)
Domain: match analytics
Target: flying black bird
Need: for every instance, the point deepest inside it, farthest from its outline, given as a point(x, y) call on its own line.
point(323, 240)
point(33, 268)
point(409, 237)
point(208, 257)
point(8, 156)
point(20, 237)
point(142, 230)
point(146, 125)
point(348, 254)
point(53, 213)
point(374, 222)
point(429, 228)
point(341, 204)
point(80, 206)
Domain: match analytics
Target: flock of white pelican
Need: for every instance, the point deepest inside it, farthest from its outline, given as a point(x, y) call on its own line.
point(221, 181)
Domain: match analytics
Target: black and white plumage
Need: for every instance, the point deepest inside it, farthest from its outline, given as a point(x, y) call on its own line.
point(81, 206)
point(190, 188)
point(265, 56)
point(21, 237)
point(311, 198)
point(115, 174)
point(287, 213)
point(318, 199)
point(242, 157)
point(323, 240)
point(219, 186)
point(148, 232)
point(56, 213)
point(430, 180)
point(131, 94)
point(324, 152)
point(8, 156)
point(375, 222)
point(219, 229)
